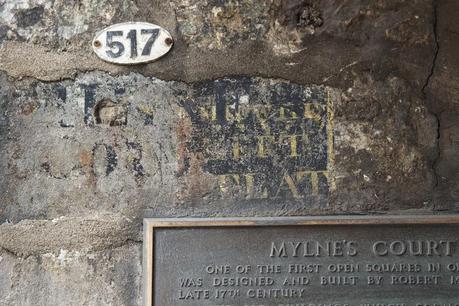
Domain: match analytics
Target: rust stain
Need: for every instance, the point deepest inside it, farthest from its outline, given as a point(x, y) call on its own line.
point(194, 183)
point(183, 131)
point(197, 183)
point(86, 158)
point(28, 109)
point(86, 162)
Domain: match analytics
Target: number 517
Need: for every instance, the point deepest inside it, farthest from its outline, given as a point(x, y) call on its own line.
point(132, 37)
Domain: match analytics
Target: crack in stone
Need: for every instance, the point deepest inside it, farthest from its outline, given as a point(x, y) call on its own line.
point(437, 47)
point(11, 253)
point(437, 157)
point(18, 255)
point(426, 84)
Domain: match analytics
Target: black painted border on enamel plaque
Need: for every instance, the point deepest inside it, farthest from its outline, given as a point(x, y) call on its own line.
point(150, 224)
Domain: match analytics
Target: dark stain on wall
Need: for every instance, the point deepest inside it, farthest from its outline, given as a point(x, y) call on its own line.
point(29, 17)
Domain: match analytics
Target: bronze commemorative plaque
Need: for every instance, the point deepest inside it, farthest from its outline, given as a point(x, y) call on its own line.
point(304, 261)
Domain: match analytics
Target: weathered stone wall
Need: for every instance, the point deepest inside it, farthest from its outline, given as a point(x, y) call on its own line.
point(262, 108)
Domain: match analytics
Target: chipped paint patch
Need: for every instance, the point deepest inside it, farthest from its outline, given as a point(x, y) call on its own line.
point(353, 134)
point(261, 139)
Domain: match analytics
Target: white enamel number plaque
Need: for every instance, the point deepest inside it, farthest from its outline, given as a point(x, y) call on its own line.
point(132, 43)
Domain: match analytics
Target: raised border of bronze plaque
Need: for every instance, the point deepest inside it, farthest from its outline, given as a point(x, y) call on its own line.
point(323, 260)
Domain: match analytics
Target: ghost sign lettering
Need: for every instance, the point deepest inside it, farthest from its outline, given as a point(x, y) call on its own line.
point(132, 43)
